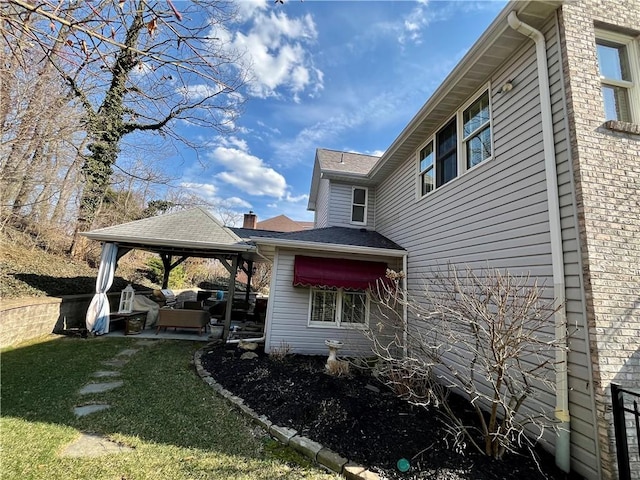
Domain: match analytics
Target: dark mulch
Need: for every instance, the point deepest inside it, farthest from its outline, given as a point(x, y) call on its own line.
point(360, 419)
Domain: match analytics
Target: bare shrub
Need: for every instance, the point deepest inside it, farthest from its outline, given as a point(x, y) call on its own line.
point(280, 352)
point(487, 335)
point(338, 368)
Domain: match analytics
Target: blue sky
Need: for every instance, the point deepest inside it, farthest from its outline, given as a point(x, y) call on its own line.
point(326, 74)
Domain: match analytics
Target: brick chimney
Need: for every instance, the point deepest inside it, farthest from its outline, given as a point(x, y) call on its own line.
point(250, 220)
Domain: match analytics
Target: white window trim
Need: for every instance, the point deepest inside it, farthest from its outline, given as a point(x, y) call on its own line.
point(337, 323)
point(461, 151)
point(366, 205)
point(633, 52)
point(462, 158)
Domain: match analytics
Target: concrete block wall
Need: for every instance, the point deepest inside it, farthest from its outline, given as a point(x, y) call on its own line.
point(606, 163)
point(28, 318)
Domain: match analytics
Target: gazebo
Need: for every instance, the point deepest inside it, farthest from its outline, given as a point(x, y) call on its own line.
point(174, 237)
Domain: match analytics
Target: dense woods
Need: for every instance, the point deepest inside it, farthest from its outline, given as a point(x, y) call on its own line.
point(91, 95)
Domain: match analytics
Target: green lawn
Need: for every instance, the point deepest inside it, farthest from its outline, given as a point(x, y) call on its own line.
point(177, 426)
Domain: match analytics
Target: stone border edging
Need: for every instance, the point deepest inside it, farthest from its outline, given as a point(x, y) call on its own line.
point(313, 450)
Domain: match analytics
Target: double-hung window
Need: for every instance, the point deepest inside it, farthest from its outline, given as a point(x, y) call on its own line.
point(461, 144)
point(618, 60)
point(359, 205)
point(338, 308)
point(476, 131)
point(427, 168)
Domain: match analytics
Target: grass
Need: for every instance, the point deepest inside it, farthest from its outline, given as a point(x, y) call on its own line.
point(177, 426)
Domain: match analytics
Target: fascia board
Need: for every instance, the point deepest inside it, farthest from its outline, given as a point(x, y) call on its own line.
point(161, 243)
point(294, 244)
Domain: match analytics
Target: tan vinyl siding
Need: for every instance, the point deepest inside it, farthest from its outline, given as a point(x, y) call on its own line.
point(322, 204)
point(497, 215)
point(289, 312)
point(340, 206)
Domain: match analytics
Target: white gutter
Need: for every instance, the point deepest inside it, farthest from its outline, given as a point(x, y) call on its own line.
point(563, 459)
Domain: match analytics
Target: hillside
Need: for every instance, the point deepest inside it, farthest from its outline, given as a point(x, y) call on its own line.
point(26, 270)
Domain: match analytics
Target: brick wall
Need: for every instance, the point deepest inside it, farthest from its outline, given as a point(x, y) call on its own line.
point(606, 166)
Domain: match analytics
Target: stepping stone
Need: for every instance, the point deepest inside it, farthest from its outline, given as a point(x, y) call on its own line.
point(89, 409)
point(93, 446)
point(146, 343)
point(128, 352)
point(100, 387)
point(116, 362)
point(105, 373)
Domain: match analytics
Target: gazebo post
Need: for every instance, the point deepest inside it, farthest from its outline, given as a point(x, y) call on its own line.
point(249, 273)
point(168, 267)
point(233, 270)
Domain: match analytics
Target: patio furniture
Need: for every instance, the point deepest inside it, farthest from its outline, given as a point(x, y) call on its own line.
point(182, 318)
point(134, 322)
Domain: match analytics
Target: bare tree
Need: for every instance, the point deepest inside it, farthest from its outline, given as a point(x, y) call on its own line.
point(135, 67)
point(488, 336)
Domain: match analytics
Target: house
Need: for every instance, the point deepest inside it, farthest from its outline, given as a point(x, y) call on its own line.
point(526, 158)
point(282, 223)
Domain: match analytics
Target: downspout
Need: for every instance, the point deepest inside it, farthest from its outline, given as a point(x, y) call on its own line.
point(405, 316)
point(563, 458)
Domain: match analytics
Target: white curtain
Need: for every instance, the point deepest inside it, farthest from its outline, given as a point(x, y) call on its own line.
point(98, 312)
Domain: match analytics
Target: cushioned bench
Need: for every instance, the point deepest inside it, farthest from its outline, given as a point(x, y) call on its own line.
point(182, 318)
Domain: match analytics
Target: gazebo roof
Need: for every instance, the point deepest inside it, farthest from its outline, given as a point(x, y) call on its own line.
point(193, 232)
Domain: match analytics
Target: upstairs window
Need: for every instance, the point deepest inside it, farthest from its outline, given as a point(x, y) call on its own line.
point(476, 131)
point(463, 143)
point(446, 154)
point(359, 205)
point(619, 76)
point(427, 168)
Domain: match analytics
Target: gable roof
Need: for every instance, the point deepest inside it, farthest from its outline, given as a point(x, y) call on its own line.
point(335, 165)
point(189, 232)
point(345, 162)
point(282, 223)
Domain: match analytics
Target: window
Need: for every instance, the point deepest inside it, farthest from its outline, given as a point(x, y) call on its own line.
point(359, 205)
point(446, 154)
point(338, 308)
point(476, 131)
point(619, 76)
point(427, 168)
point(463, 143)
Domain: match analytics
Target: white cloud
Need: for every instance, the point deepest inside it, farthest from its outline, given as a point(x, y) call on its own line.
point(204, 190)
point(233, 141)
point(248, 8)
point(276, 49)
point(209, 193)
point(248, 173)
point(236, 202)
point(296, 199)
point(200, 91)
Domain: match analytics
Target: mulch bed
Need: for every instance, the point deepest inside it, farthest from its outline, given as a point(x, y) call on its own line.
point(359, 418)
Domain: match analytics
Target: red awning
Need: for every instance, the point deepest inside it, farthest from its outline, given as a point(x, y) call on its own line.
point(336, 272)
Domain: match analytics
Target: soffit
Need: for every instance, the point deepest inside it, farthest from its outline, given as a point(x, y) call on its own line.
point(493, 48)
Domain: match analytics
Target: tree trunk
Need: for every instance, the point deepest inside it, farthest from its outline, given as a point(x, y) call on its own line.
point(106, 129)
